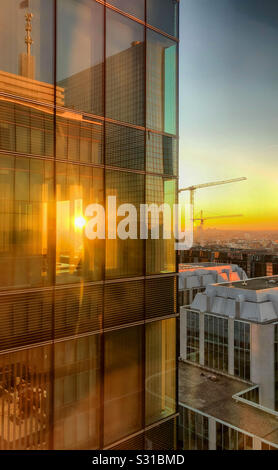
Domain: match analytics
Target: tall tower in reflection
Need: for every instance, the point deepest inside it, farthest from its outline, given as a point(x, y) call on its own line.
point(26, 60)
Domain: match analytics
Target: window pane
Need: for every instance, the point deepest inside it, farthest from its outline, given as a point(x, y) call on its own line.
point(133, 7)
point(161, 83)
point(216, 343)
point(13, 57)
point(242, 349)
point(122, 383)
point(25, 221)
point(24, 128)
point(80, 54)
point(79, 141)
point(125, 64)
point(193, 336)
point(125, 257)
point(160, 253)
point(78, 258)
point(25, 379)
point(125, 147)
point(161, 154)
point(77, 394)
point(160, 369)
point(163, 15)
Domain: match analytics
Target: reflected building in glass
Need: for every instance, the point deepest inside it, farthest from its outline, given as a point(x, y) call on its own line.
point(88, 109)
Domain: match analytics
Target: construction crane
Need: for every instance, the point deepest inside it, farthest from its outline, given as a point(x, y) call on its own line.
point(202, 219)
point(192, 189)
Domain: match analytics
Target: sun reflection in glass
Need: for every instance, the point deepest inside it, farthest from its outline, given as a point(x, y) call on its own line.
point(79, 222)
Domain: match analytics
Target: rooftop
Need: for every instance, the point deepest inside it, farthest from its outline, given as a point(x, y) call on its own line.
point(200, 275)
point(255, 300)
point(214, 398)
point(258, 283)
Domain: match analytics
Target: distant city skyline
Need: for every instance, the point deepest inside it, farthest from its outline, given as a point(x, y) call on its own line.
point(229, 108)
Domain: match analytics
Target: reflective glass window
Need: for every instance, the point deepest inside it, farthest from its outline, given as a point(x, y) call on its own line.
point(216, 343)
point(163, 14)
point(193, 430)
point(27, 71)
point(14, 60)
point(124, 147)
point(228, 438)
point(125, 257)
point(77, 394)
point(160, 369)
point(25, 399)
point(125, 69)
point(77, 257)
point(161, 83)
point(80, 54)
point(242, 349)
point(160, 253)
point(161, 154)
point(193, 336)
point(133, 7)
point(79, 141)
point(122, 383)
point(26, 211)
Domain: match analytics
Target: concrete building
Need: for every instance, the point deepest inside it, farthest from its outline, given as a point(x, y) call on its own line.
point(228, 342)
point(194, 278)
point(256, 262)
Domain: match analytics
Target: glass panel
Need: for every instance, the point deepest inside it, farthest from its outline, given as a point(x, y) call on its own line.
point(122, 383)
point(25, 399)
point(125, 147)
point(26, 194)
point(77, 394)
point(193, 336)
point(242, 350)
point(27, 71)
point(78, 258)
point(125, 64)
point(124, 257)
point(160, 253)
point(161, 83)
point(216, 343)
point(80, 54)
point(14, 57)
point(160, 369)
point(163, 15)
point(162, 155)
point(133, 7)
point(79, 141)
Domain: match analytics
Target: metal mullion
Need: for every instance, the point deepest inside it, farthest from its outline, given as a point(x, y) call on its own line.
point(54, 230)
point(144, 327)
point(102, 334)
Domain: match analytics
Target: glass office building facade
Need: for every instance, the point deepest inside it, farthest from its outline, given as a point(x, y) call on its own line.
point(88, 109)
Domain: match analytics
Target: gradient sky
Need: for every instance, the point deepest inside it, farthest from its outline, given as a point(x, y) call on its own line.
point(229, 108)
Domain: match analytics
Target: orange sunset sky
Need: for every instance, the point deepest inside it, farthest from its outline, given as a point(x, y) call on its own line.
point(229, 109)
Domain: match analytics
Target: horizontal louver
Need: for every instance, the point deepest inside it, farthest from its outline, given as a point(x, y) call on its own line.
point(25, 318)
point(160, 297)
point(162, 437)
point(123, 303)
point(78, 310)
point(135, 443)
